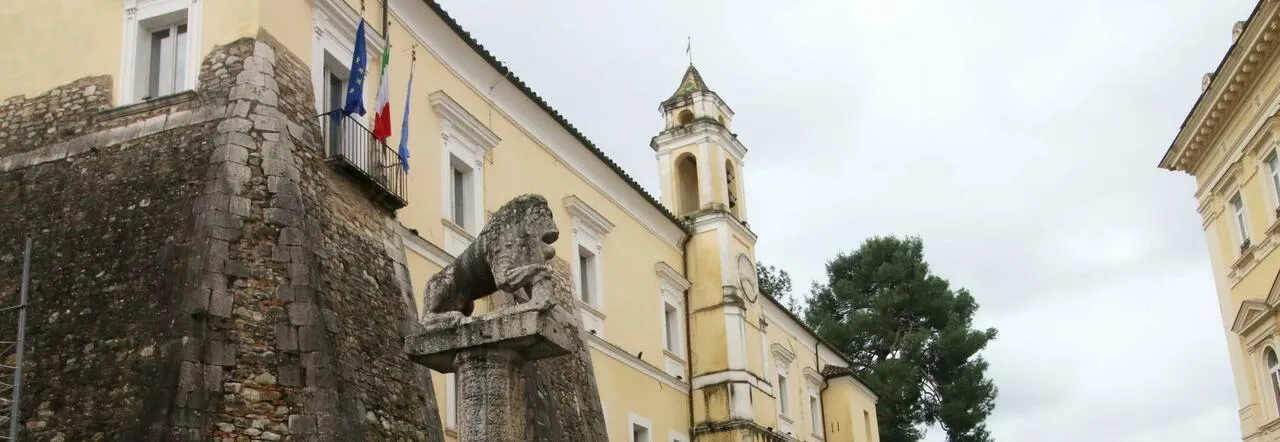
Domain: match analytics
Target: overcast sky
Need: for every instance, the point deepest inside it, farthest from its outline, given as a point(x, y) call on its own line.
point(1018, 138)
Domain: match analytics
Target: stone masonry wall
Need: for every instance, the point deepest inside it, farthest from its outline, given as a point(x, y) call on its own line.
point(202, 274)
point(561, 397)
point(64, 112)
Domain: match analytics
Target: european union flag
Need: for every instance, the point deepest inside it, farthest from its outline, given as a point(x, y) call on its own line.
point(355, 80)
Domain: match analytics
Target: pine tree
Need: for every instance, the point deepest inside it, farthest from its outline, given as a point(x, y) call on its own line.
point(910, 336)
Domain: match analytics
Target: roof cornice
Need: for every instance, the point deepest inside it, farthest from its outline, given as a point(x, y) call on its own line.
point(1235, 75)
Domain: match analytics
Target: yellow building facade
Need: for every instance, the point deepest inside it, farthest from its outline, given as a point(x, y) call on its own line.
point(1229, 142)
point(683, 346)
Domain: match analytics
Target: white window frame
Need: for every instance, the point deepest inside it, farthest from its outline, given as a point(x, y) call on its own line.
point(589, 231)
point(1271, 389)
point(813, 389)
point(464, 140)
point(141, 17)
point(469, 195)
point(782, 358)
point(1240, 213)
point(635, 420)
point(676, 436)
point(672, 287)
point(333, 44)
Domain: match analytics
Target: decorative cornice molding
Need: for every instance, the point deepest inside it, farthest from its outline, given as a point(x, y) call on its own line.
point(462, 122)
point(813, 376)
point(1235, 76)
point(700, 131)
point(590, 218)
point(783, 354)
point(1249, 315)
point(341, 19)
point(710, 220)
point(671, 276)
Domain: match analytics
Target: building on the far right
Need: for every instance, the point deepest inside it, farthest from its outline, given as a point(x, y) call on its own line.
point(1229, 142)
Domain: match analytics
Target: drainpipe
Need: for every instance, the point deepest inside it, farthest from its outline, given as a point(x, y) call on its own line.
point(688, 334)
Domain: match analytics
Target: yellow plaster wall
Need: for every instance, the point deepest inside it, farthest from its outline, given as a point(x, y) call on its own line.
point(843, 408)
point(87, 43)
point(624, 390)
point(89, 38)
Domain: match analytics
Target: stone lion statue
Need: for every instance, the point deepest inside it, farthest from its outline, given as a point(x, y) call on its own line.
point(509, 254)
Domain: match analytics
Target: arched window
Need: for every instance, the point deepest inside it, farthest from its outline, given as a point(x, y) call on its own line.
point(685, 117)
point(687, 184)
point(731, 183)
point(1273, 375)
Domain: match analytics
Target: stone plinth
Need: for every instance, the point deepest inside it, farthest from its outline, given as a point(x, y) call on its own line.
point(530, 334)
point(489, 352)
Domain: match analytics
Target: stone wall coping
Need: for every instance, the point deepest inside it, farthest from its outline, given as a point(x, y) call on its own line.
point(112, 136)
point(149, 105)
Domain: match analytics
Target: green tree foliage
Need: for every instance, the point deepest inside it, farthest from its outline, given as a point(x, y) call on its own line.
point(910, 336)
point(776, 283)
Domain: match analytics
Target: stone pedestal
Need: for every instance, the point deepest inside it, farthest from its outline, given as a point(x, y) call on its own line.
point(488, 353)
point(490, 385)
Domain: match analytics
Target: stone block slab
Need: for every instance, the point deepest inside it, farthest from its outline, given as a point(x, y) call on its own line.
point(533, 334)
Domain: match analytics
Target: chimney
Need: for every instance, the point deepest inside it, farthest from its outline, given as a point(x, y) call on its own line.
point(1236, 31)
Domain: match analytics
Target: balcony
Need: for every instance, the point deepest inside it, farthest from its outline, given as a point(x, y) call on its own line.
point(351, 148)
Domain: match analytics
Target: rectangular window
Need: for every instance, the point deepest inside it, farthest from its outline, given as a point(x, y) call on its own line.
point(671, 319)
point(334, 87)
point(1242, 224)
point(815, 414)
point(167, 60)
point(459, 215)
point(586, 275)
point(639, 433)
point(783, 406)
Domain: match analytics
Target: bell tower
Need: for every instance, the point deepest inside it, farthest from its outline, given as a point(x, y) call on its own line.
point(699, 159)
point(701, 167)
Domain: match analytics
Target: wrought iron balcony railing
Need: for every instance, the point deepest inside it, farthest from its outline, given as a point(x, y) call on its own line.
point(351, 147)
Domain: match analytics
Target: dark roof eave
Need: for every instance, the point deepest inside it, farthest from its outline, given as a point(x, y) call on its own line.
point(1168, 155)
point(511, 76)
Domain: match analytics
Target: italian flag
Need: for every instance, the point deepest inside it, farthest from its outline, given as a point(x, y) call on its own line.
point(382, 117)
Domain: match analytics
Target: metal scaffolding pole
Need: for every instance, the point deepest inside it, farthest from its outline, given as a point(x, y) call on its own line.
point(16, 347)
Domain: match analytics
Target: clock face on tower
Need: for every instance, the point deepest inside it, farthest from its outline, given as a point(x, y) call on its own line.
point(747, 278)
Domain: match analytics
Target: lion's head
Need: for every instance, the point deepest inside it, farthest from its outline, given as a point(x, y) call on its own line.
point(531, 214)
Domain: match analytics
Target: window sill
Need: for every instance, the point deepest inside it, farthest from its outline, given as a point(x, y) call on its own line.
point(451, 431)
point(1245, 257)
point(784, 418)
point(449, 224)
point(672, 355)
point(145, 106)
point(590, 309)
